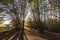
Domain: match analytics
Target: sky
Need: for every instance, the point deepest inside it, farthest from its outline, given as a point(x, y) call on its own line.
point(5, 17)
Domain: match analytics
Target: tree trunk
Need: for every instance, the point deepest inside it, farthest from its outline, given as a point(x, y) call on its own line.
point(40, 25)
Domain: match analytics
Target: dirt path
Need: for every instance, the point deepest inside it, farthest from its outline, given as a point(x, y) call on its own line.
point(30, 36)
point(34, 35)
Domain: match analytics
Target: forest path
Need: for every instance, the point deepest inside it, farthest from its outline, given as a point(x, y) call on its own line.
point(32, 34)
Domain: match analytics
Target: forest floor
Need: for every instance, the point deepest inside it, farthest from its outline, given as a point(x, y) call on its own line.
point(32, 34)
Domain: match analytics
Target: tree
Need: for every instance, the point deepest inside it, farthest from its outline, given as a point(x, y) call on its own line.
point(13, 9)
point(16, 10)
point(35, 12)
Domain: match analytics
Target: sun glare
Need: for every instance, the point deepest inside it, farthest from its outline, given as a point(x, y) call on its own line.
point(6, 22)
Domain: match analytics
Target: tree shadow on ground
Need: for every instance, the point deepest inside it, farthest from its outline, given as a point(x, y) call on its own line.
point(49, 36)
point(44, 35)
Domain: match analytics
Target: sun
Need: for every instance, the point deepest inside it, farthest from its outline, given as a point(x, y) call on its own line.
point(6, 22)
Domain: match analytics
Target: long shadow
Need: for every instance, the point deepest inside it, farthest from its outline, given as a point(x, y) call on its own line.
point(25, 36)
point(21, 35)
point(45, 35)
point(17, 36)
point(49, 36)
point(8, 33)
